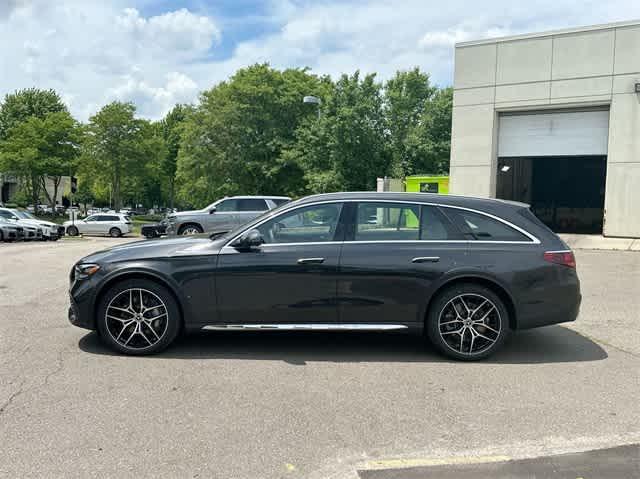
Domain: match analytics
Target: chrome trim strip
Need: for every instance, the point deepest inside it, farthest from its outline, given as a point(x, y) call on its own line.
point(534, 239)
point(304, 327)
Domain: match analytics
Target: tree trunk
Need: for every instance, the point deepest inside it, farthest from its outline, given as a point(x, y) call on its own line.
point(35, 192)
point(56, 184)
point(117, 201)
point(172, 184)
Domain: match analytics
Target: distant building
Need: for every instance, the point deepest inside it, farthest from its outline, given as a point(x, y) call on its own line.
point(9, 186)
point(553, 119)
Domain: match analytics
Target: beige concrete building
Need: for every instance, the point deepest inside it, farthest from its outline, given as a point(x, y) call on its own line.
point(553, 119)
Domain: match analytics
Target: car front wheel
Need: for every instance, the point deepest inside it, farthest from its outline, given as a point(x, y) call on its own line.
point(138, 317)
point(190, 230)
point(72, 231)
point(467, 322)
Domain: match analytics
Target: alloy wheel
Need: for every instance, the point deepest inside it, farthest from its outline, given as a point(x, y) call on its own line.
point(469, 324)
point(190, 230)
point(137, 318)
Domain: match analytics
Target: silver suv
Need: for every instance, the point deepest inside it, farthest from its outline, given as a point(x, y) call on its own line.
point(223, 215)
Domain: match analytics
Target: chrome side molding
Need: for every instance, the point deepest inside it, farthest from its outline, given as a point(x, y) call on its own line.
point(303, 327)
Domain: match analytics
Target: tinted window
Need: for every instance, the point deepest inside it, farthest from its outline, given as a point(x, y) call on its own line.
point(435, 226)
point(227, 205)
point(303, 225)
point(6, 214)
point(252, 204)
point(92, 218)
point(279, 201)
point(481, 227)
point(109, 218)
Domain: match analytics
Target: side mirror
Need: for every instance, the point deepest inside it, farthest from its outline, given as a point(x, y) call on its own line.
point(251, 239)
point(212, 210)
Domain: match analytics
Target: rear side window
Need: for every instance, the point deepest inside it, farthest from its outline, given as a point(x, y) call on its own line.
point(402, 222)
point(480, 227)
point(279, 201)
point(109, 218)
point(252, 204)
point(387, 222)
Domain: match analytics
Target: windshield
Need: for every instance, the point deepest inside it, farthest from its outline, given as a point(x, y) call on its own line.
point(24, 215)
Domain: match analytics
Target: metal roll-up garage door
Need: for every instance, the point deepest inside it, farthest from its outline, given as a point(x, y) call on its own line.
point(536, 134)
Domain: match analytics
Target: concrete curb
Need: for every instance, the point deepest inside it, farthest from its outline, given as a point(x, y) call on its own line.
point(600, 242)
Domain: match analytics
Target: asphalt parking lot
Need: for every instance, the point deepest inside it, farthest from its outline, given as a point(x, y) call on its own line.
point(280, 405)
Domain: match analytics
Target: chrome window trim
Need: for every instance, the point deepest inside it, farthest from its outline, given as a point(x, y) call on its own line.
point(303, 327)
point(534, 239)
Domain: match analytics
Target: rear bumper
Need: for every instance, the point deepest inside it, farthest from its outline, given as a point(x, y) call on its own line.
point(560, 303)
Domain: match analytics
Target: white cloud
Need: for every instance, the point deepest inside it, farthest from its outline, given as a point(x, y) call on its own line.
point(93, 51)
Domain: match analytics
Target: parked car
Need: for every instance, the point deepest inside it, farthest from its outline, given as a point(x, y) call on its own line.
point(154, 230)
point(48, 230)
point(223, 215)
point(31, 232)
point(102, 224)
point(464, 271)
point(10, 231)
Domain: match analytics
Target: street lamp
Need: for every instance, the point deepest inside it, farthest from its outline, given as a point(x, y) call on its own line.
point(314, 100)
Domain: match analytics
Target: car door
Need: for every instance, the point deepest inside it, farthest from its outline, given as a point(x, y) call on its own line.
point(223, 218)
point(392, 254)
point(291, 278)
point(89, 225)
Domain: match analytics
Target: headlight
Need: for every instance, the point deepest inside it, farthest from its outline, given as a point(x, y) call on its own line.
point(83, 271)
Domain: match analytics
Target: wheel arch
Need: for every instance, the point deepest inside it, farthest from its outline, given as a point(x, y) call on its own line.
point(186, 224)
point(138, 274)
point(488, 282)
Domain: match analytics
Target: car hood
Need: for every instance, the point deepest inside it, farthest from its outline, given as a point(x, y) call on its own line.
point(159, 248)
point(34, 223)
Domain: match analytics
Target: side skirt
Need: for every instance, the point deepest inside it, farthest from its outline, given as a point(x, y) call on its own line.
point(304, 327)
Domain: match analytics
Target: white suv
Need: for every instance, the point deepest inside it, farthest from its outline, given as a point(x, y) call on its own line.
point(101, 224)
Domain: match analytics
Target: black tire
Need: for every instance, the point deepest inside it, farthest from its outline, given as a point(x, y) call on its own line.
point(115, 232)
point(478, 300)
point(108, 328)
point(72, 231)
point(1, 236)
point(184, 229)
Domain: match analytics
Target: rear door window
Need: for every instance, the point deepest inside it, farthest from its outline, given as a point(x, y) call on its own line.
point(252, 204)
point(227, 206)
point(480, 227)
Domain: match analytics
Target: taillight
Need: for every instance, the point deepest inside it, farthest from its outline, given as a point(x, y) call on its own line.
point(565, 258)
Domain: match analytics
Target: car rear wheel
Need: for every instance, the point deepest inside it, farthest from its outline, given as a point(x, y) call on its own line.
point(115, 232)
point(138, 317)
point(72, 231)
point(187, 230)
point(467, 322)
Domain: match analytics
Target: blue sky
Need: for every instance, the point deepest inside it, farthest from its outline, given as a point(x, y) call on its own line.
point(159, 52)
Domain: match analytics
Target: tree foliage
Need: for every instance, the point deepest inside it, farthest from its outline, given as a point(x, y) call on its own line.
point(234, 140)
point(118, 149)
point(39, 148)
point(23, 104)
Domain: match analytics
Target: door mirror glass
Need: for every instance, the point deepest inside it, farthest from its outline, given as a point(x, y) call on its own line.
point(250, 239)
point(212, 210)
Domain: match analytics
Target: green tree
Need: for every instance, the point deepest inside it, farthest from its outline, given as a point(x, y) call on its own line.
point(39, 148)
point(234, 140)
point(429, 142)
point(117, 149)
point(24, 104)
point(345, 148)
point(171, 130)
point(406, 97)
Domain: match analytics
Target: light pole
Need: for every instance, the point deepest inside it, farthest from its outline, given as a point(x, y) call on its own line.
point(314, 100)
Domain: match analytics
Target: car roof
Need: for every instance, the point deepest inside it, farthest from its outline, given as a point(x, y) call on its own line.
point(447, 200)
point(261, 197)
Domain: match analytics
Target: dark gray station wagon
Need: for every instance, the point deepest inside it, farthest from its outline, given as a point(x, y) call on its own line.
point(463, 271)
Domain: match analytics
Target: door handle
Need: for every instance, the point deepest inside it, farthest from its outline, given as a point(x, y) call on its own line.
point(426, 259)
point(311, 260)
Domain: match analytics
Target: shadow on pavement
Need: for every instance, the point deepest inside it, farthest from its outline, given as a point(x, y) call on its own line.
point(553, 344)
point(621, 462)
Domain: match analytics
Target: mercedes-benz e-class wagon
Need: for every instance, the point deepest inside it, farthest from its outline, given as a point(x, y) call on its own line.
point(463, 271)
